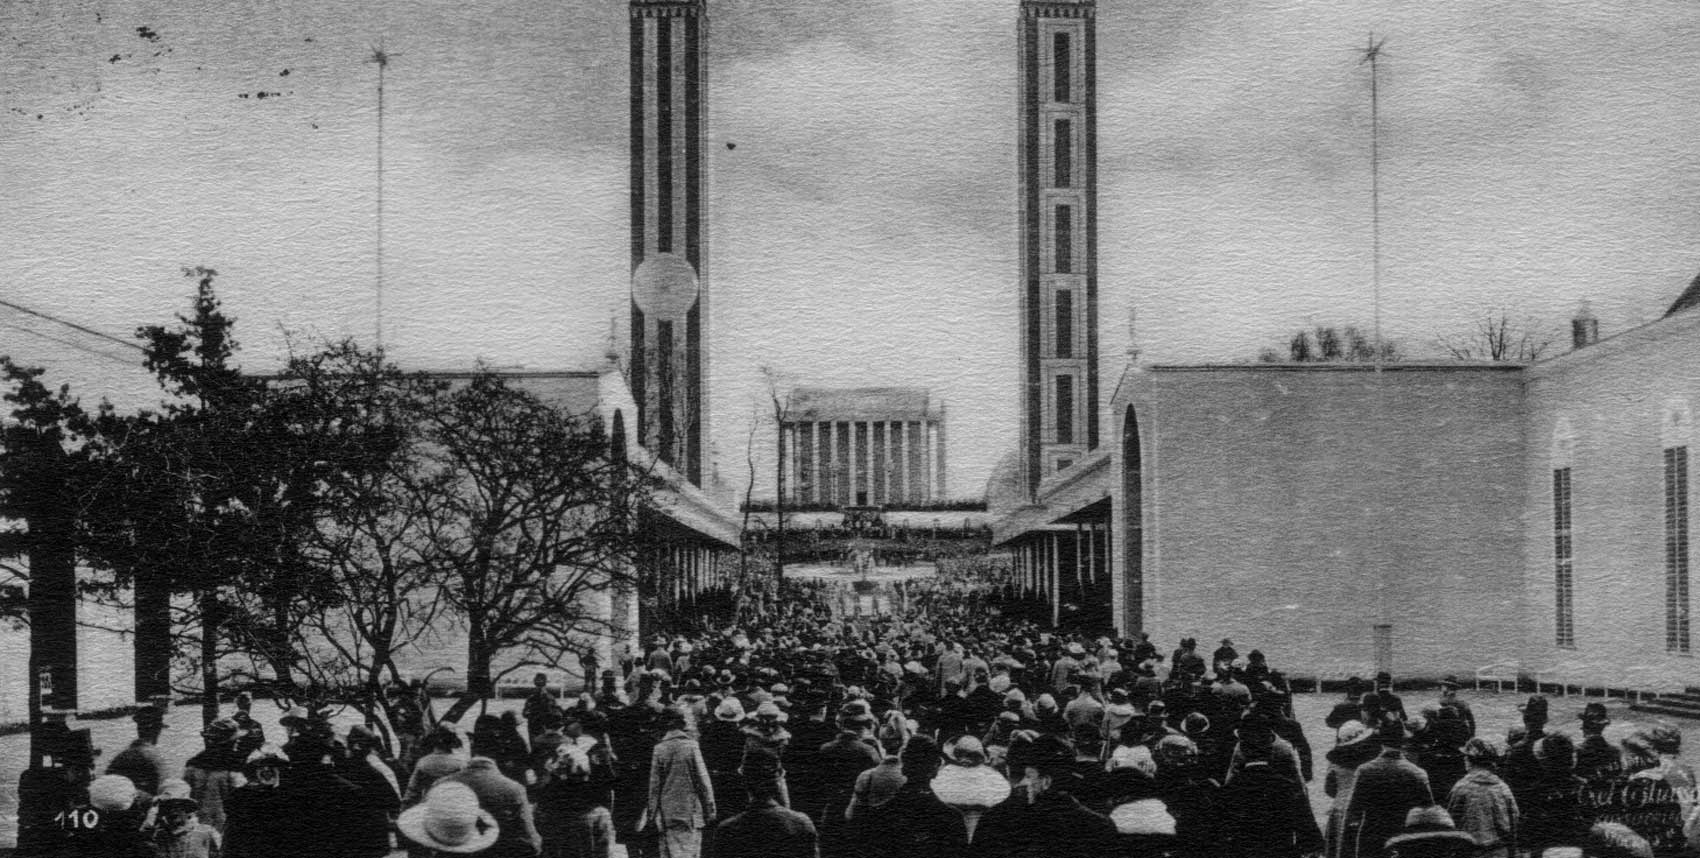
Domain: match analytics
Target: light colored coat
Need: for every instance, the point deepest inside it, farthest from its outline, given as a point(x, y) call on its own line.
point(680, 793)
point(1482, 807)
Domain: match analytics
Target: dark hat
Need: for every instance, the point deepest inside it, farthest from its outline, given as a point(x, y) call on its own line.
point(1391, 731)
point(1536, 707)
point(1050, 755)
point(76, 748)
point(178, 805)
point(1595, 713)
point(221, 731)
point(1383, 679)
point(1449, 682)
point(1479, 748)
point(149, 715)
point(1354, 685)
point(1430, 824)
point(1195, 724)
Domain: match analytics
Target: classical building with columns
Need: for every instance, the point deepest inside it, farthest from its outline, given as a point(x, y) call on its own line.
point(864, 446)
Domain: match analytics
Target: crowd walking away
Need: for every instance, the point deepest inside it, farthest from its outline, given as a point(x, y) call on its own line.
point(942, 727)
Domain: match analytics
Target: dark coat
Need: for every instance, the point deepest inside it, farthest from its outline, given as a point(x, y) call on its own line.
point(767, 830)
point(1270, 815)
point(261, 823)
point(1385, 790)
point(365, 817)
point(1054, 825)
point(913, 822)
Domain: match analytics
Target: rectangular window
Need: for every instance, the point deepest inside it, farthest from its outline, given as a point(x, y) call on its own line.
point(1062, 152)
point(664, 390)
point(1676, 549)
point(1064, 228)
point(1562, 552)
point(1065, 409)
point(1061, 68)
point(1065, 323)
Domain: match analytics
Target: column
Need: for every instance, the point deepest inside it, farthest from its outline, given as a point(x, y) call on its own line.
point(939, 486)
point(927, 464)
point(850, 460)
point(876, 443)
point(834, 475)
point(1056, 582)
point(818, 492)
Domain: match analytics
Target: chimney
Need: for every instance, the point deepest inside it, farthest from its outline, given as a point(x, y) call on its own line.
point(1584, 328)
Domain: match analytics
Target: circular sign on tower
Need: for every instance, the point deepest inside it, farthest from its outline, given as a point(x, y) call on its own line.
point(665, 286)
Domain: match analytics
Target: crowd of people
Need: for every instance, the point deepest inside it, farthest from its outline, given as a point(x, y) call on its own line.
point(942, 729)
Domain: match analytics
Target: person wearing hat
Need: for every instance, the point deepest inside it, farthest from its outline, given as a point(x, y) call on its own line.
point(59, 786)
point(252, 734)
point(680, 801)
point(215, 772)
point(262, 817)
point(541, 710)
point(1224, 656)
point(141, 761)
point(1481, 803)
point(1384, 791)
point(178, 832)
point(571, 815)
point(375, 799)
point(440, 760)
point(1597, 759)
point(967, 782)
point(449, 821)
point(1518, 767)
point(1349, 709)
point(765, 731)
point(1062, 670)
point(1449, 699)
point(1383, 700)
point(1186, 661)
point(1430, 833)
point(1042, 818)
point(1189, 795)
point(1354, 745)
point(913, 821)
point(722, 740)
point(1266, 812)
point(766, 827)
point(108, 823)
point(504, 798)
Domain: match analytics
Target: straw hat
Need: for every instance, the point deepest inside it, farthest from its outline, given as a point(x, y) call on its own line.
point(449, 820)
point(730, 709)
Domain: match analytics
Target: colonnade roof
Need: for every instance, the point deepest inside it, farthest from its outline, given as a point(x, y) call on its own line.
point(890, 404)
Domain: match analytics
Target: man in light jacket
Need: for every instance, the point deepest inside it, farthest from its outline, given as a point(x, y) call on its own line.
point(681, 797)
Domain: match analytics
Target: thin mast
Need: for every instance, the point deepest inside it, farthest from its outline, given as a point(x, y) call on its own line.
point(1371, 54)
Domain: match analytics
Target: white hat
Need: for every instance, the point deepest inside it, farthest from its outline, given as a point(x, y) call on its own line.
point(112, 793)
point(449, 820)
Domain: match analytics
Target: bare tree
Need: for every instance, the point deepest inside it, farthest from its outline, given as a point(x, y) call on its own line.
point(781, 407)
point(1495, 336)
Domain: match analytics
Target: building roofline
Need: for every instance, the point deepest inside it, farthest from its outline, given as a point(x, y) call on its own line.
point(1396, 366)
point(1622, 341)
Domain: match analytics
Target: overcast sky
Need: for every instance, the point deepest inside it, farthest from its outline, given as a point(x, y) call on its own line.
point(863, 229)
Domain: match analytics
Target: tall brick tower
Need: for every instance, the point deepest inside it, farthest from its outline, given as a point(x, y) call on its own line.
point(1058, 155)
point(669, 333)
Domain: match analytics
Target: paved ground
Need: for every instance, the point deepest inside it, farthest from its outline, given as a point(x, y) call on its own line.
point(1494, 714)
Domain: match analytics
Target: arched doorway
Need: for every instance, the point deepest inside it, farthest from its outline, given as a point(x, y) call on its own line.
point(1133, 523)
